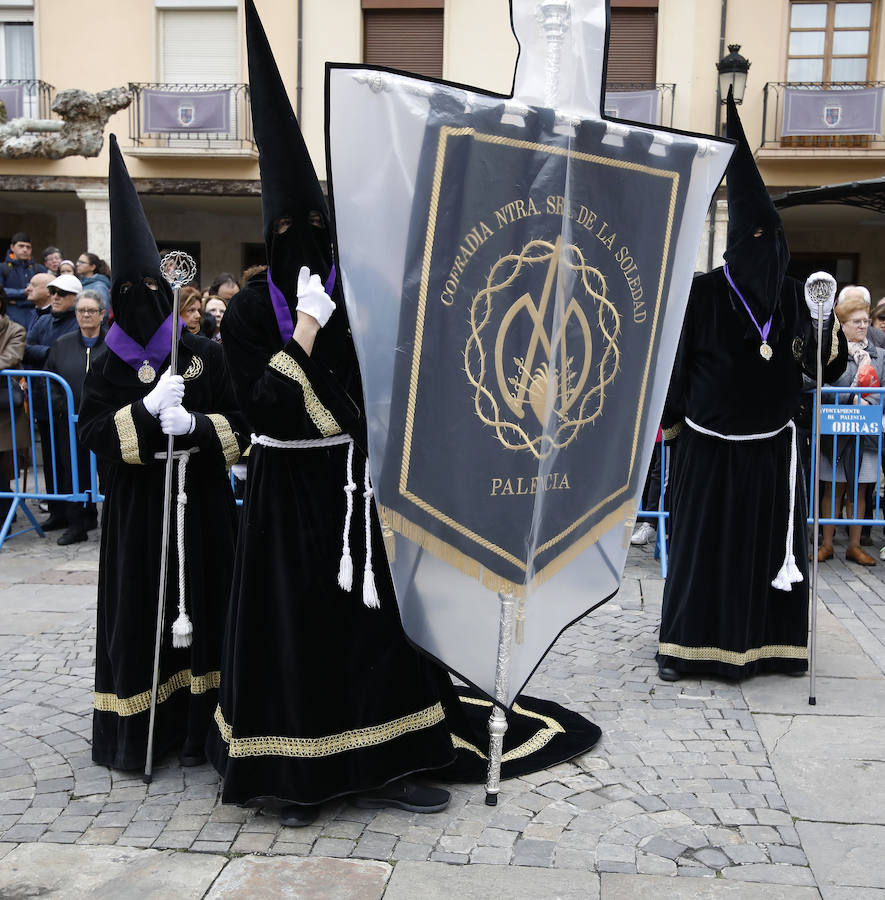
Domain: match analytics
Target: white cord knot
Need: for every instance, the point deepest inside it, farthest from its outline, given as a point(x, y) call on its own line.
point(370, 592)
point(182, 499)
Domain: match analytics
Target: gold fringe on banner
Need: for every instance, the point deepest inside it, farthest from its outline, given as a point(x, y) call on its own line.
point(473, 569)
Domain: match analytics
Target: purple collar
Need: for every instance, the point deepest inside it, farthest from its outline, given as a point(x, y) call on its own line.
point(281, 307)
point(153, 353)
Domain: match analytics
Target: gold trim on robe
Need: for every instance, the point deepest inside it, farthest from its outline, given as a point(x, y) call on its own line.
point(319, 415)
point(229, 446)
point(128, 435)
point(311, 748)
point(138, 703)
point(734, 657)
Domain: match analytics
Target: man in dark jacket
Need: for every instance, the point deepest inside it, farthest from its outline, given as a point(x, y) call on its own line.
point(17, 270)
point(71, 357)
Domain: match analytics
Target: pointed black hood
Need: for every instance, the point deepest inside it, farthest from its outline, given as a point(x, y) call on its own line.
point(757, 264)
point(289, 184)
point(141, 297)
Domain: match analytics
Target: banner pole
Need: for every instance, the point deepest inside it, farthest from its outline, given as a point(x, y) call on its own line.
point(498, 718)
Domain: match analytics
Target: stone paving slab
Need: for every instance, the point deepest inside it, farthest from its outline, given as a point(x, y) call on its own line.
point(432, 881)
point(280, 878)
point(109, 873)
point(848, 857)
point(655, 887)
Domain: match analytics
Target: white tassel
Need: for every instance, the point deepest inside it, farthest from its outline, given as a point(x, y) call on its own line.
point(789, 573)
point(182, 631)
point(370, 592)
point(345, 573)
point(345, 566)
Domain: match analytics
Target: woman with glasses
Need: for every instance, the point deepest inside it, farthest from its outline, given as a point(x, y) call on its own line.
point(863, 356)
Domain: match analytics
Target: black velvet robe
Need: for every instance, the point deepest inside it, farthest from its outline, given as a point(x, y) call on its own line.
point(114, 423)
point(729, 508)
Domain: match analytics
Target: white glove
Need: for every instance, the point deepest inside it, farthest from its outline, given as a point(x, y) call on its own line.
point(825, 285)
point(239, 470)
point(177, 420)
point(312, 299)
point(168, 392)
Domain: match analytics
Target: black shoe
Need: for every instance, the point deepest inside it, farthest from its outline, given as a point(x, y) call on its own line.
point(666, 673)
point(404, 794)
point(54, 523)
point(298, 815)
point(72, 536)
point(189, 760)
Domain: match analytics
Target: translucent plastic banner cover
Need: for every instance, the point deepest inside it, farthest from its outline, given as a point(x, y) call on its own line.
point(516, 273)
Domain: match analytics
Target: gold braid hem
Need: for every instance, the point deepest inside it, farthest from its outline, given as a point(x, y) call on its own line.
point(138, 703)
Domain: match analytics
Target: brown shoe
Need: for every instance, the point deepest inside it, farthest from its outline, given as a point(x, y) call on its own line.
point(861, 557)
point(823, 553)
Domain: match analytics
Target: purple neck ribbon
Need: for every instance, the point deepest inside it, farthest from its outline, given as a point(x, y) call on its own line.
point(154, 352)
point(765, 329)
point(281, 306)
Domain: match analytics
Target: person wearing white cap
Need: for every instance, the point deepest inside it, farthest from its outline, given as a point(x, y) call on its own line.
point(44, 333)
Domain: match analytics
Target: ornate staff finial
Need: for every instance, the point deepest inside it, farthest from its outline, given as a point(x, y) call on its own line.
point(555, 17)
point(178, 268)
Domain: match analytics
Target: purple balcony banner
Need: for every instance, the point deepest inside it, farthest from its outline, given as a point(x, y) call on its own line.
point(189, 111)
point(816, 112)
point(637, 106)
point(13, 97)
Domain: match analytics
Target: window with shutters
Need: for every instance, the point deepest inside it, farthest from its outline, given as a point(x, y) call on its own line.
point(831, 40)
point(404, 35)
point(198, 46)
point(632, 45)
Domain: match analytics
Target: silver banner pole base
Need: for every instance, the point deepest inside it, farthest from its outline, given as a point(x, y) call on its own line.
point(498, 718)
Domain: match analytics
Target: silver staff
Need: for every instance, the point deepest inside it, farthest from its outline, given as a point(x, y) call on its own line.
point(178, 269)
point(819, 290)
point(555, 19)
point(498, 718)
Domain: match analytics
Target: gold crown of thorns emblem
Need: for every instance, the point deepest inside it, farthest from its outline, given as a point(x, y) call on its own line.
point(540, 400)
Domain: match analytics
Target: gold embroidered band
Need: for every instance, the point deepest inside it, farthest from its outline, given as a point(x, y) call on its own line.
point(371, 736)
point(138, 703)
point(834, 341)
point(670, 433)
point(539, 739)
point(125, 423)
point(319, 415)
point(229, 446)
point(733, 657)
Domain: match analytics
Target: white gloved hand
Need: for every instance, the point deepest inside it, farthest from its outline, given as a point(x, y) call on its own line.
point(168, 391)
point(312, 298)
point(239, 470)
point(824, 284)
point(177, 420)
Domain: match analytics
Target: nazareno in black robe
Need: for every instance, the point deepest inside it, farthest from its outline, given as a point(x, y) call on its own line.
point(114, 423)
point(320, 695)
point(729, 504)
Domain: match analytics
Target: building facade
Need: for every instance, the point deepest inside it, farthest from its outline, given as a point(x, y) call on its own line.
point(187, 132)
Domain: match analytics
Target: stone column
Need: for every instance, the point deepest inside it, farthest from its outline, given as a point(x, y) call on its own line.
point(98, 221)
point(720, 234)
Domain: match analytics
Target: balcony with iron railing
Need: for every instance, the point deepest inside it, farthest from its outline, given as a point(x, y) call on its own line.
point(644, 102)
point(26, 98)
point(190, 120)
point(822, 119)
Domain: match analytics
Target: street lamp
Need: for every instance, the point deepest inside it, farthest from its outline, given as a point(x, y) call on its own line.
point(733, 74)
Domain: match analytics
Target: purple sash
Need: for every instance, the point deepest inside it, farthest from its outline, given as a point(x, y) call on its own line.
point(133, 354)
point(281, 306)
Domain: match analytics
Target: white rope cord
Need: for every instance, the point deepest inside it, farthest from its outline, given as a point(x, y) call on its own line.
point(345, 565)
point(182, 629)
point(370, 592)
point(789, 573)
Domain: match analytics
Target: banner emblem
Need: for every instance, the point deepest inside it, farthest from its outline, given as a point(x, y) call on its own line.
point(832, 115)
point(186, 115)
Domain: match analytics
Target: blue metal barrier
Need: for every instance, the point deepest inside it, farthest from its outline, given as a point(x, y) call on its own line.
point(661, 514)
point(50, 412)
point(847, 430)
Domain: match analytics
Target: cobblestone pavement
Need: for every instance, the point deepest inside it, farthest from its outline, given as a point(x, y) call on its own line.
point(680, 783)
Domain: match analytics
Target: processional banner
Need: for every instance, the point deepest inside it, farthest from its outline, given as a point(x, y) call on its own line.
point(516, 271)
